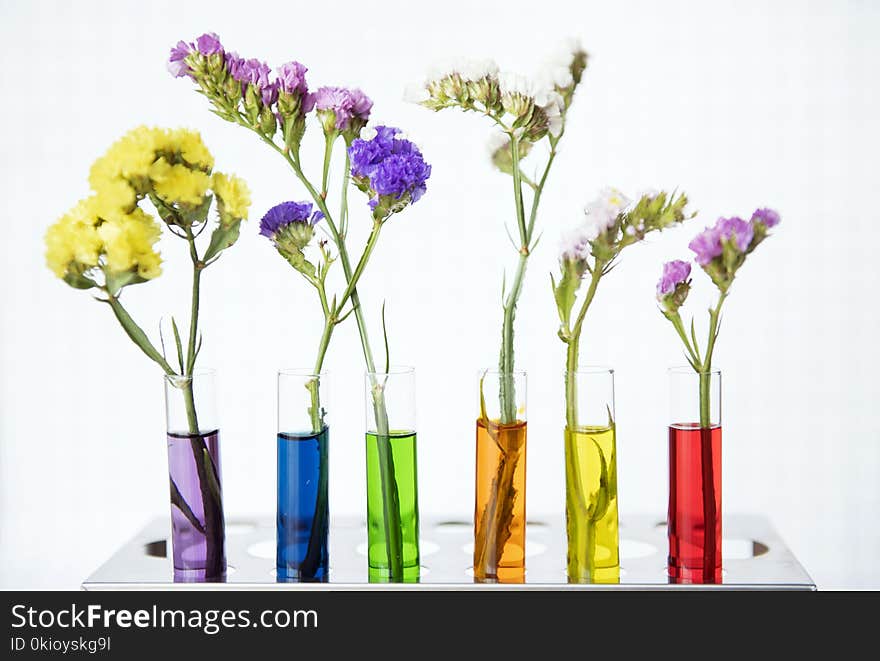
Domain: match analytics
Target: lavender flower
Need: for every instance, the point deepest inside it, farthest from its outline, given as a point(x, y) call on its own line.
point(709, 244)
point(736, 230)
point(390, 169)
point(292, 78)
point(674, 286)
point(284, 214)
point(768, 217)
point(706, 245)
point(208, 44)
point(674, 273)
point(177, 65)
point(342, 109)
point(250, 71)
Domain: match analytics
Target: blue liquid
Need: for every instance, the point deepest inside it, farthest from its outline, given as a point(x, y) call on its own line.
point(303, 513)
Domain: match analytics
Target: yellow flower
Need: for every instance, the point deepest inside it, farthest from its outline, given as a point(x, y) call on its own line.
point(112, 196)
point(191, 148)
point(73, 241)
point(128, 243)
point(233, 193)
point(178, 184)
point(128, 158)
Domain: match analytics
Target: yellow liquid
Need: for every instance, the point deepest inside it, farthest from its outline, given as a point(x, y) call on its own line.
point(591, 505)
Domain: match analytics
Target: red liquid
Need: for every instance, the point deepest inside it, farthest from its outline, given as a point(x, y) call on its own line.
point(694, 504)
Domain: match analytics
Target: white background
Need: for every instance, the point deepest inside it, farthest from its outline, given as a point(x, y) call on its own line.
point(741, 104)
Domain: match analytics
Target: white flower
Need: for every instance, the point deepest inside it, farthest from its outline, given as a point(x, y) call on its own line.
point(603, 211)
point(440, 69)
point(468, 69)
point(415, 93)
point(554, 75)
point(553, 109)
point(575, 243)
point(556, 71)
point(514, 83)
point(476, 69)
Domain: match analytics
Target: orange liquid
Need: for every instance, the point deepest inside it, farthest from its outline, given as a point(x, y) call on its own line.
point(500, 507)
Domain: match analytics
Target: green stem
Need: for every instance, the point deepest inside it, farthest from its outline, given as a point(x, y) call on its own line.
point(517, 192)
point(389, 488)
point(706, 367)
point(329, 139)
point(536, 199)
point(507, 387)
point(576, 513)
point(573, 351)
point(343, 204)
point(189, 399)
point(315, 413)
point(505, 364)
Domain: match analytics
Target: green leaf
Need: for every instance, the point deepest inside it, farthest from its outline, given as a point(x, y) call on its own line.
point(694, 339)
point(178, 343)
point(137, 334)
point(599, 503)
point(211, 475)
point(180, 503)
point(385, 336)
point(115, 281)
point(79, 281)
point(198, 214)
point(297, 260)
point(502, 158)
point(198, 348)
point(222, 238)
point(565, 291)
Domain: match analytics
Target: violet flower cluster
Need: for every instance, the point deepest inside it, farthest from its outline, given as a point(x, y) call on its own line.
point(390, 169)
point(283, 215)
point(290, 226)
point(245, 91)
point(719, 250)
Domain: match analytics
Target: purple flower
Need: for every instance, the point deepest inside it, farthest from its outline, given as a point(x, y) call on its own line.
point(708, 244)
point(208, 44)
point(346, 105)
point(282, 215)
point(390, 165)
point(292, 78)
point(250, 71)
point(736, 229)
point(253, 72)
point(768, 217)
point(269, 93)
point(176, 64)
point(674, 273)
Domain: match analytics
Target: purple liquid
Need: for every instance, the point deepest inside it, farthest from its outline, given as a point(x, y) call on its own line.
point(197, 541)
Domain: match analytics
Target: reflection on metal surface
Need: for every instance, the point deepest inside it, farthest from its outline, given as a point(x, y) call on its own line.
point(157, 549)
point(532, 548)
point(754, 556)
point(426, 548)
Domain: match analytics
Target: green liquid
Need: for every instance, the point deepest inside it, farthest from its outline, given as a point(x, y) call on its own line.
point(401, 492)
